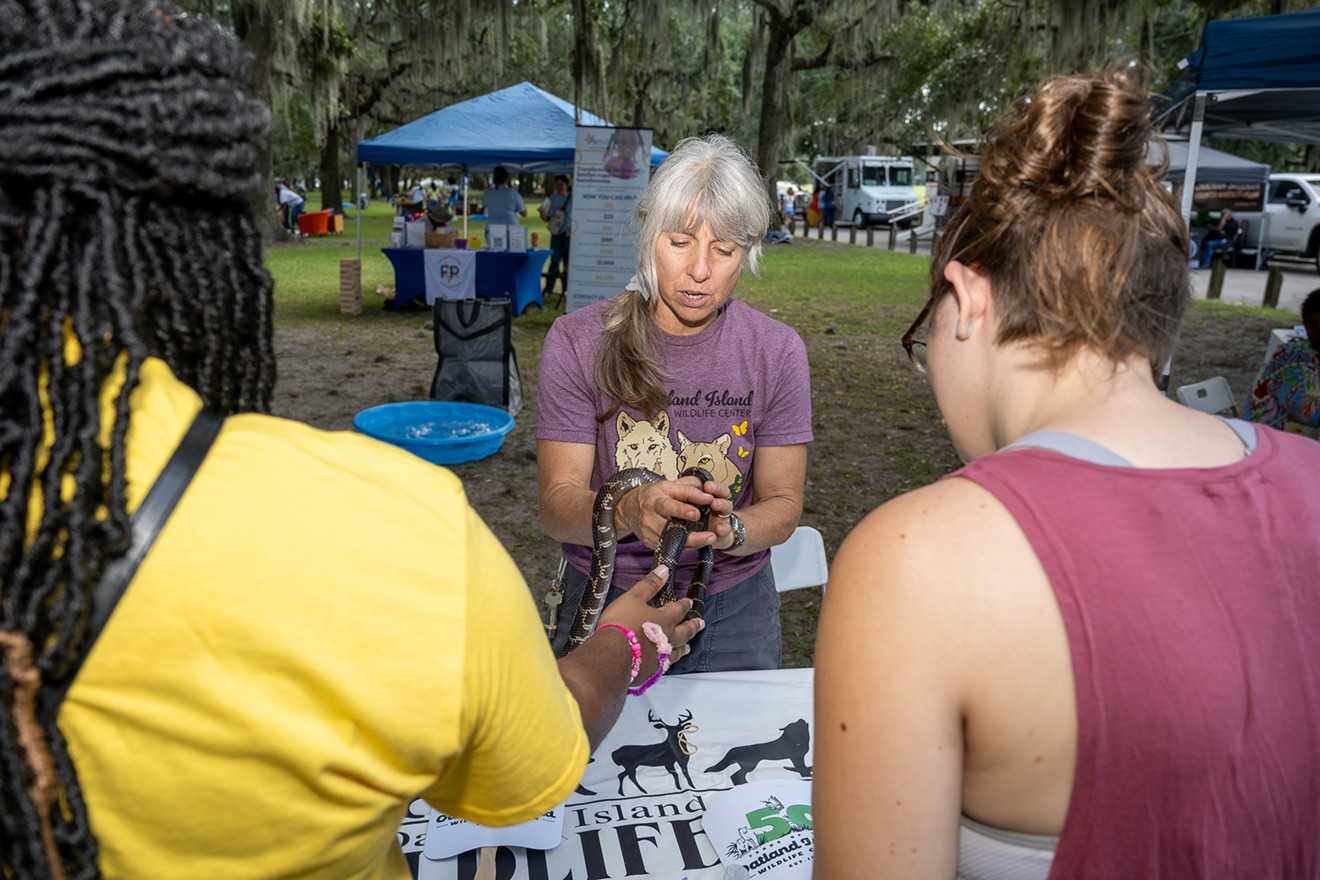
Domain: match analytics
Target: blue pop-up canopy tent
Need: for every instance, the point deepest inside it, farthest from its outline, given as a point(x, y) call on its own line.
point(1252, 79)
point(523, 128)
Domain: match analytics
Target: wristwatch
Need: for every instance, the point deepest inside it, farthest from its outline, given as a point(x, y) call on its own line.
point(739, 532)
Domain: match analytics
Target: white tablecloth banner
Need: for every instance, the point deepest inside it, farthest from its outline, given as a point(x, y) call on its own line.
point(639, 809)
point(450, 274)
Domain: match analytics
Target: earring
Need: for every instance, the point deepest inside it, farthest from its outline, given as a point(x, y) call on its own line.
point(967, 334)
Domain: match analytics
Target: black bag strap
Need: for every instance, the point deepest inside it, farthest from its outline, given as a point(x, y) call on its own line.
point(468, 312)
point(146, 523)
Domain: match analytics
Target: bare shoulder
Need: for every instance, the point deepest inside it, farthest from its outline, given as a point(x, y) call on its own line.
point(946, 557)
point(940, 531)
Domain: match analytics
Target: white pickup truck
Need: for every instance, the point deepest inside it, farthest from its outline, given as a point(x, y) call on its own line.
point(1291, 220)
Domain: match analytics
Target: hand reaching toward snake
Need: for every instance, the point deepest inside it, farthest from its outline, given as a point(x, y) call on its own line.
point(633, 608)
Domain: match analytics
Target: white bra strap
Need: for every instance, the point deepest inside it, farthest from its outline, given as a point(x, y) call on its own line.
point(1071, 445)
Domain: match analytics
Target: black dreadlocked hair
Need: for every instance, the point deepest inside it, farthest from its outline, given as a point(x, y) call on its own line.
point(127, 160)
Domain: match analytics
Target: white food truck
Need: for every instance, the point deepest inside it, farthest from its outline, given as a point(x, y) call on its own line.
point(869, 189)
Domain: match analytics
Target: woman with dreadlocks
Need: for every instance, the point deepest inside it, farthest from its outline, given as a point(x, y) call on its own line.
point(214, 688)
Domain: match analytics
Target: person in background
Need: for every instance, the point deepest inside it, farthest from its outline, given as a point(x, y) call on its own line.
point(432, 196)
point(789, 207)
point(290, 207)
point(828, 206)
point(1287, 391)
point(557, 211)
point(675, 372)
point(1218, 237)
point(1089, 653)
point(245, 700)
point(417, 195)
point(502, 203)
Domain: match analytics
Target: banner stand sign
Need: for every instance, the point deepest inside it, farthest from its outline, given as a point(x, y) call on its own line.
point(610, 172)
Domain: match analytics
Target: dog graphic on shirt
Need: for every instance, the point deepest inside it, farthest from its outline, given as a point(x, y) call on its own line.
point(646, 444)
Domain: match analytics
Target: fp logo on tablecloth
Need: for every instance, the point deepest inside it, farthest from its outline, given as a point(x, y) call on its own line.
point(450, 271)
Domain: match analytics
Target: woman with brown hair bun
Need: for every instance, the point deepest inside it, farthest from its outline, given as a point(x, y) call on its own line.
point(1091, 652)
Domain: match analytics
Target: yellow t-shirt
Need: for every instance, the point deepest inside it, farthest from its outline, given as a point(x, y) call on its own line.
point(323, 631)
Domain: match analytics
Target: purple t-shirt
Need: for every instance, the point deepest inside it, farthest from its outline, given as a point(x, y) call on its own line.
point(742, 382)
point(1192, 607)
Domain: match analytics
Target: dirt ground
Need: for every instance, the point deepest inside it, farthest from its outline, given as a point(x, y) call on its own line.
point(891, 439)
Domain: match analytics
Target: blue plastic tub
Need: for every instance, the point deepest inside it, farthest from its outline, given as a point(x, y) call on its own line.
point(442, 432)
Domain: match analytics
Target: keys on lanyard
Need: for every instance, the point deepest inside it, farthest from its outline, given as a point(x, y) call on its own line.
point(554, 597)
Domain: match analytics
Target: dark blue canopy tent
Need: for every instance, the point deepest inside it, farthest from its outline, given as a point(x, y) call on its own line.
point(1252, 79)
point(1222, 179)
point(1214, 165)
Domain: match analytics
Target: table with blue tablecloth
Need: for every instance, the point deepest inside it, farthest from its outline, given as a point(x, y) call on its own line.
point(516, 275)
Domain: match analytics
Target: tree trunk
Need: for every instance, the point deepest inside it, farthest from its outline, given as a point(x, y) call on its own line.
point(353, 129)
point(256, 25)
point(774, 99)
point(332, 180)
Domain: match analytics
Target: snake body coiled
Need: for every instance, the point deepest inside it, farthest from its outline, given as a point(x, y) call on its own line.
point(667, 551)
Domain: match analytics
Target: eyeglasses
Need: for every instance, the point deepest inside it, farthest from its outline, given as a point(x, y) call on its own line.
point(916, 349)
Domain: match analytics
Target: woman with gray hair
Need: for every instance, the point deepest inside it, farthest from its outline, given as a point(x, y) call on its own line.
point(672, 373)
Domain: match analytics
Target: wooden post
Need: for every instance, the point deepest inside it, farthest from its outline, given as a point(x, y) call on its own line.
point(834, 233)
point(912, 241)
point(934, 241)
point(1216, 278)
point(870, 237)
point(350, 287)
point(852, 234)
point(893, 236)
point(1273, 286)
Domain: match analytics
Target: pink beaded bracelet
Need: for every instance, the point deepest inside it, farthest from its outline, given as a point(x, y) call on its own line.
point(663, 649)
point(632, 643)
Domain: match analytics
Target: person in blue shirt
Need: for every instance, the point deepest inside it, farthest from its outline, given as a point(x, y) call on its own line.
point(503, 204)
point(828, 207)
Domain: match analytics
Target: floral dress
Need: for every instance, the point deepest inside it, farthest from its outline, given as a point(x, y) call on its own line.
point(1287, 391)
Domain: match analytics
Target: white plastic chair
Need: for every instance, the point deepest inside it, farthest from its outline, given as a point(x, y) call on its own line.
point(1211, 395)
point(800, 561)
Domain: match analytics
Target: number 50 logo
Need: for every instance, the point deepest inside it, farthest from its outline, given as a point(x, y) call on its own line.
point(774, 820)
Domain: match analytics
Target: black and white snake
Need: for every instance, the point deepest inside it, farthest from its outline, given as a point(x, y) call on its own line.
point(667, 551)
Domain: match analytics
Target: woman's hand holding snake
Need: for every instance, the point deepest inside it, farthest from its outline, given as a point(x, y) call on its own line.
point(646, 511)
point(631, 610)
